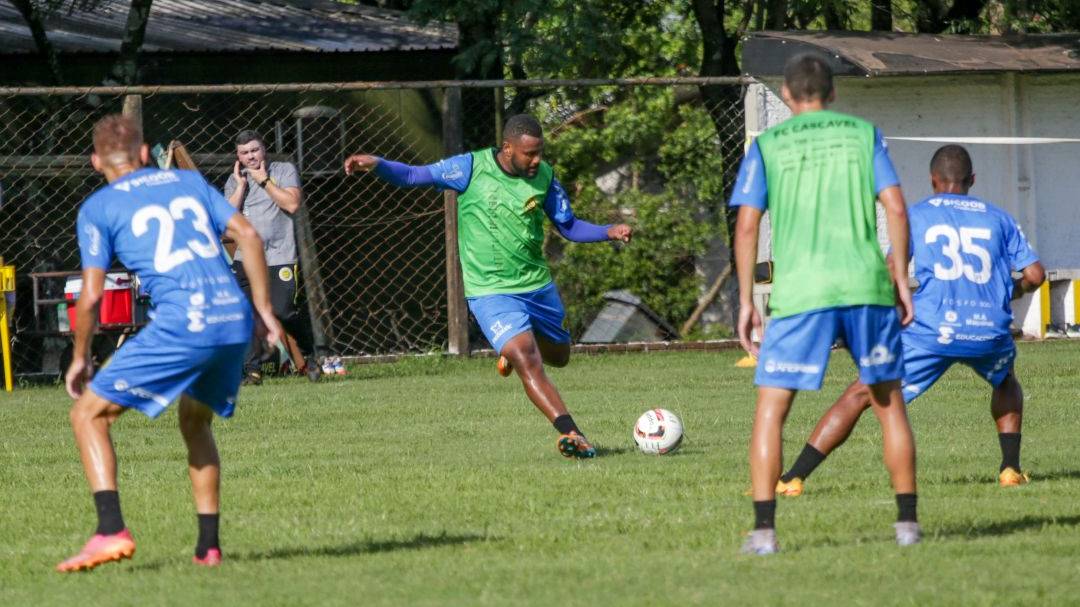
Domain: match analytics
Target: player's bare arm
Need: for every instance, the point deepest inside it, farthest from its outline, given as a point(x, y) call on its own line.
point(360, 162)
point(240, 230)
point(746, 250)
point(86, 311)
point(892, 199)
point(620, 231)
point(1031, 278)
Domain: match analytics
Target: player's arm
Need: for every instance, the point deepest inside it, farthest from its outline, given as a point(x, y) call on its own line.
point(452, 173)
point(887, 185)
point(751, 196)
point(1031, 278)
point(95, 250)
point(247, 240)
point(557, 207)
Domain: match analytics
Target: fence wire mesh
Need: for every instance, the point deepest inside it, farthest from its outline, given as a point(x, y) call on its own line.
point(376, 268)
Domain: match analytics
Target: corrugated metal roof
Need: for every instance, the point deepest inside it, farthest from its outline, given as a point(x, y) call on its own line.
point(231, 25)
point(888, 54)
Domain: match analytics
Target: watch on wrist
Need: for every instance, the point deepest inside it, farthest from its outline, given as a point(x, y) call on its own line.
point(262, 184)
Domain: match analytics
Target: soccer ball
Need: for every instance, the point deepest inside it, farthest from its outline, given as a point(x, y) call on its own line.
point(658, 431)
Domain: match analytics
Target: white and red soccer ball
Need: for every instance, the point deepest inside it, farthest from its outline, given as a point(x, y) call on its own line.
point(658, 431)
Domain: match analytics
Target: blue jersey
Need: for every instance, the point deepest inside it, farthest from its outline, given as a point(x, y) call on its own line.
point(964, 250)
point(166, 226)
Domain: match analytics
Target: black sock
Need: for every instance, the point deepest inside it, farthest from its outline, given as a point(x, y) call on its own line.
point(208, 534)
point(108, 512)
point(808, 460)
point(1010, 450)
point(906, 505)
point(765, 514)
point(565, 425)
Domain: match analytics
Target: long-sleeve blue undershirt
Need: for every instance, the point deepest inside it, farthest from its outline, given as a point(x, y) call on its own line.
point(454, 173)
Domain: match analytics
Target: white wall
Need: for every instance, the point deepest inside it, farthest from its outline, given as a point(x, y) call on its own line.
point(1039, 185)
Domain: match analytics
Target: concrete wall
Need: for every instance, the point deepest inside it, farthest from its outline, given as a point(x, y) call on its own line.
point(1038, 184)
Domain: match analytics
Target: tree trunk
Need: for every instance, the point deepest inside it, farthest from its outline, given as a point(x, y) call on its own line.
point(126, 69)
point(35, 20)
point(881, 15)
point(776, 14)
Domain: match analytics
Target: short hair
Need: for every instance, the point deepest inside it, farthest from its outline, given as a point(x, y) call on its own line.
point(117, 139)
point(522, 124)
point(247, 136)
point(952, 164)
point(808, 76)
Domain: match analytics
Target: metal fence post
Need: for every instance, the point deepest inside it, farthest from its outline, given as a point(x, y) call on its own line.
point(456, 311)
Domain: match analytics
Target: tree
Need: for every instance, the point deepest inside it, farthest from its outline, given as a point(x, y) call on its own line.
point(124, 69)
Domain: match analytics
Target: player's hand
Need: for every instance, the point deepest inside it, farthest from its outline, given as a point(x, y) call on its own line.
point(621, 232)
point(238, 175)
point(360, 162)
point(905, 309)
point(749, 320)
point(259, 173)
point(274, 331)
point(78, 375)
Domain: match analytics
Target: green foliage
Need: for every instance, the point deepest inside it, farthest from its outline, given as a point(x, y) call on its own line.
point(668, 154)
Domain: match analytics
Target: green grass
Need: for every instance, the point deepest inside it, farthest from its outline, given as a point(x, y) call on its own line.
point(434, 482)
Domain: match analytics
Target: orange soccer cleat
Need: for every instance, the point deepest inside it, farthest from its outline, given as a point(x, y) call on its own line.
point(504, 367)
point(99, 550)
point(1011, 477)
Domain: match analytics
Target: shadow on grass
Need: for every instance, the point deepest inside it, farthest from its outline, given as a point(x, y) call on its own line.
point(999, 528)
point(608, 451)
point(991, 479)
point(419, 542)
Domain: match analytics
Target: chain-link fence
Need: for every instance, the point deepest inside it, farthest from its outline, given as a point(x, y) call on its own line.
point(374, 258)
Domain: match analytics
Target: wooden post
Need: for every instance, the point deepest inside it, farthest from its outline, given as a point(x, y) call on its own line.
point(500, 100)
point(133, 108)
point(456, 310)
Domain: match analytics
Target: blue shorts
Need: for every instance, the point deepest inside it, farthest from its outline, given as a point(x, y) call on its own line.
point(922, 368)
point(502, 317)
point(795, 350)
point(148, 376)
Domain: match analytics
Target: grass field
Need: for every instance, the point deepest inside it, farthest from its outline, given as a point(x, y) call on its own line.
point(434, 482)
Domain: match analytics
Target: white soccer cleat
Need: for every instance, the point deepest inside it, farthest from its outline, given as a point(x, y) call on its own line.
point(908, 533)
point(760, 542)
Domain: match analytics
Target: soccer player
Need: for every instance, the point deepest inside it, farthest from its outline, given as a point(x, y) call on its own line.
point(818, 174)
point(964, 251)
point(504, 195)
point(165, 226)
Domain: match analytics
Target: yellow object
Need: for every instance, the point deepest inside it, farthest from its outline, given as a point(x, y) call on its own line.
point(790, 489)
point(1011, 478)
point(746, 362)
point(7, 285)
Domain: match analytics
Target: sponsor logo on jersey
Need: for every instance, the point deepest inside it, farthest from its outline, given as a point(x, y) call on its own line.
point(452, 172)
point(531, 204)
point(959, 203)
point(94, 236)
point(156, 178)
point(951, 316)
point(285, 274)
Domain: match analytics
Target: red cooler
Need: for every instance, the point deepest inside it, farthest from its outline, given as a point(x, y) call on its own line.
point(115, 304)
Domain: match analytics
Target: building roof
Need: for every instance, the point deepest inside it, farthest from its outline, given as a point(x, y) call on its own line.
point(893, 54)
point(231, 26)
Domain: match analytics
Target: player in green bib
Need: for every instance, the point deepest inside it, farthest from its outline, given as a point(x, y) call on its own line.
point(504, 195)
point(818, 175)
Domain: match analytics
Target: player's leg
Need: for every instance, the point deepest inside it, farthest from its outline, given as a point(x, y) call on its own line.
point(794, 355)
point(547, 317)
point(524, 355)
point(1007, 408)
point(91, 418)
point(831, 431)
point(204, 468)
point(921, 370)
point(214, 391)
point(873, 335)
